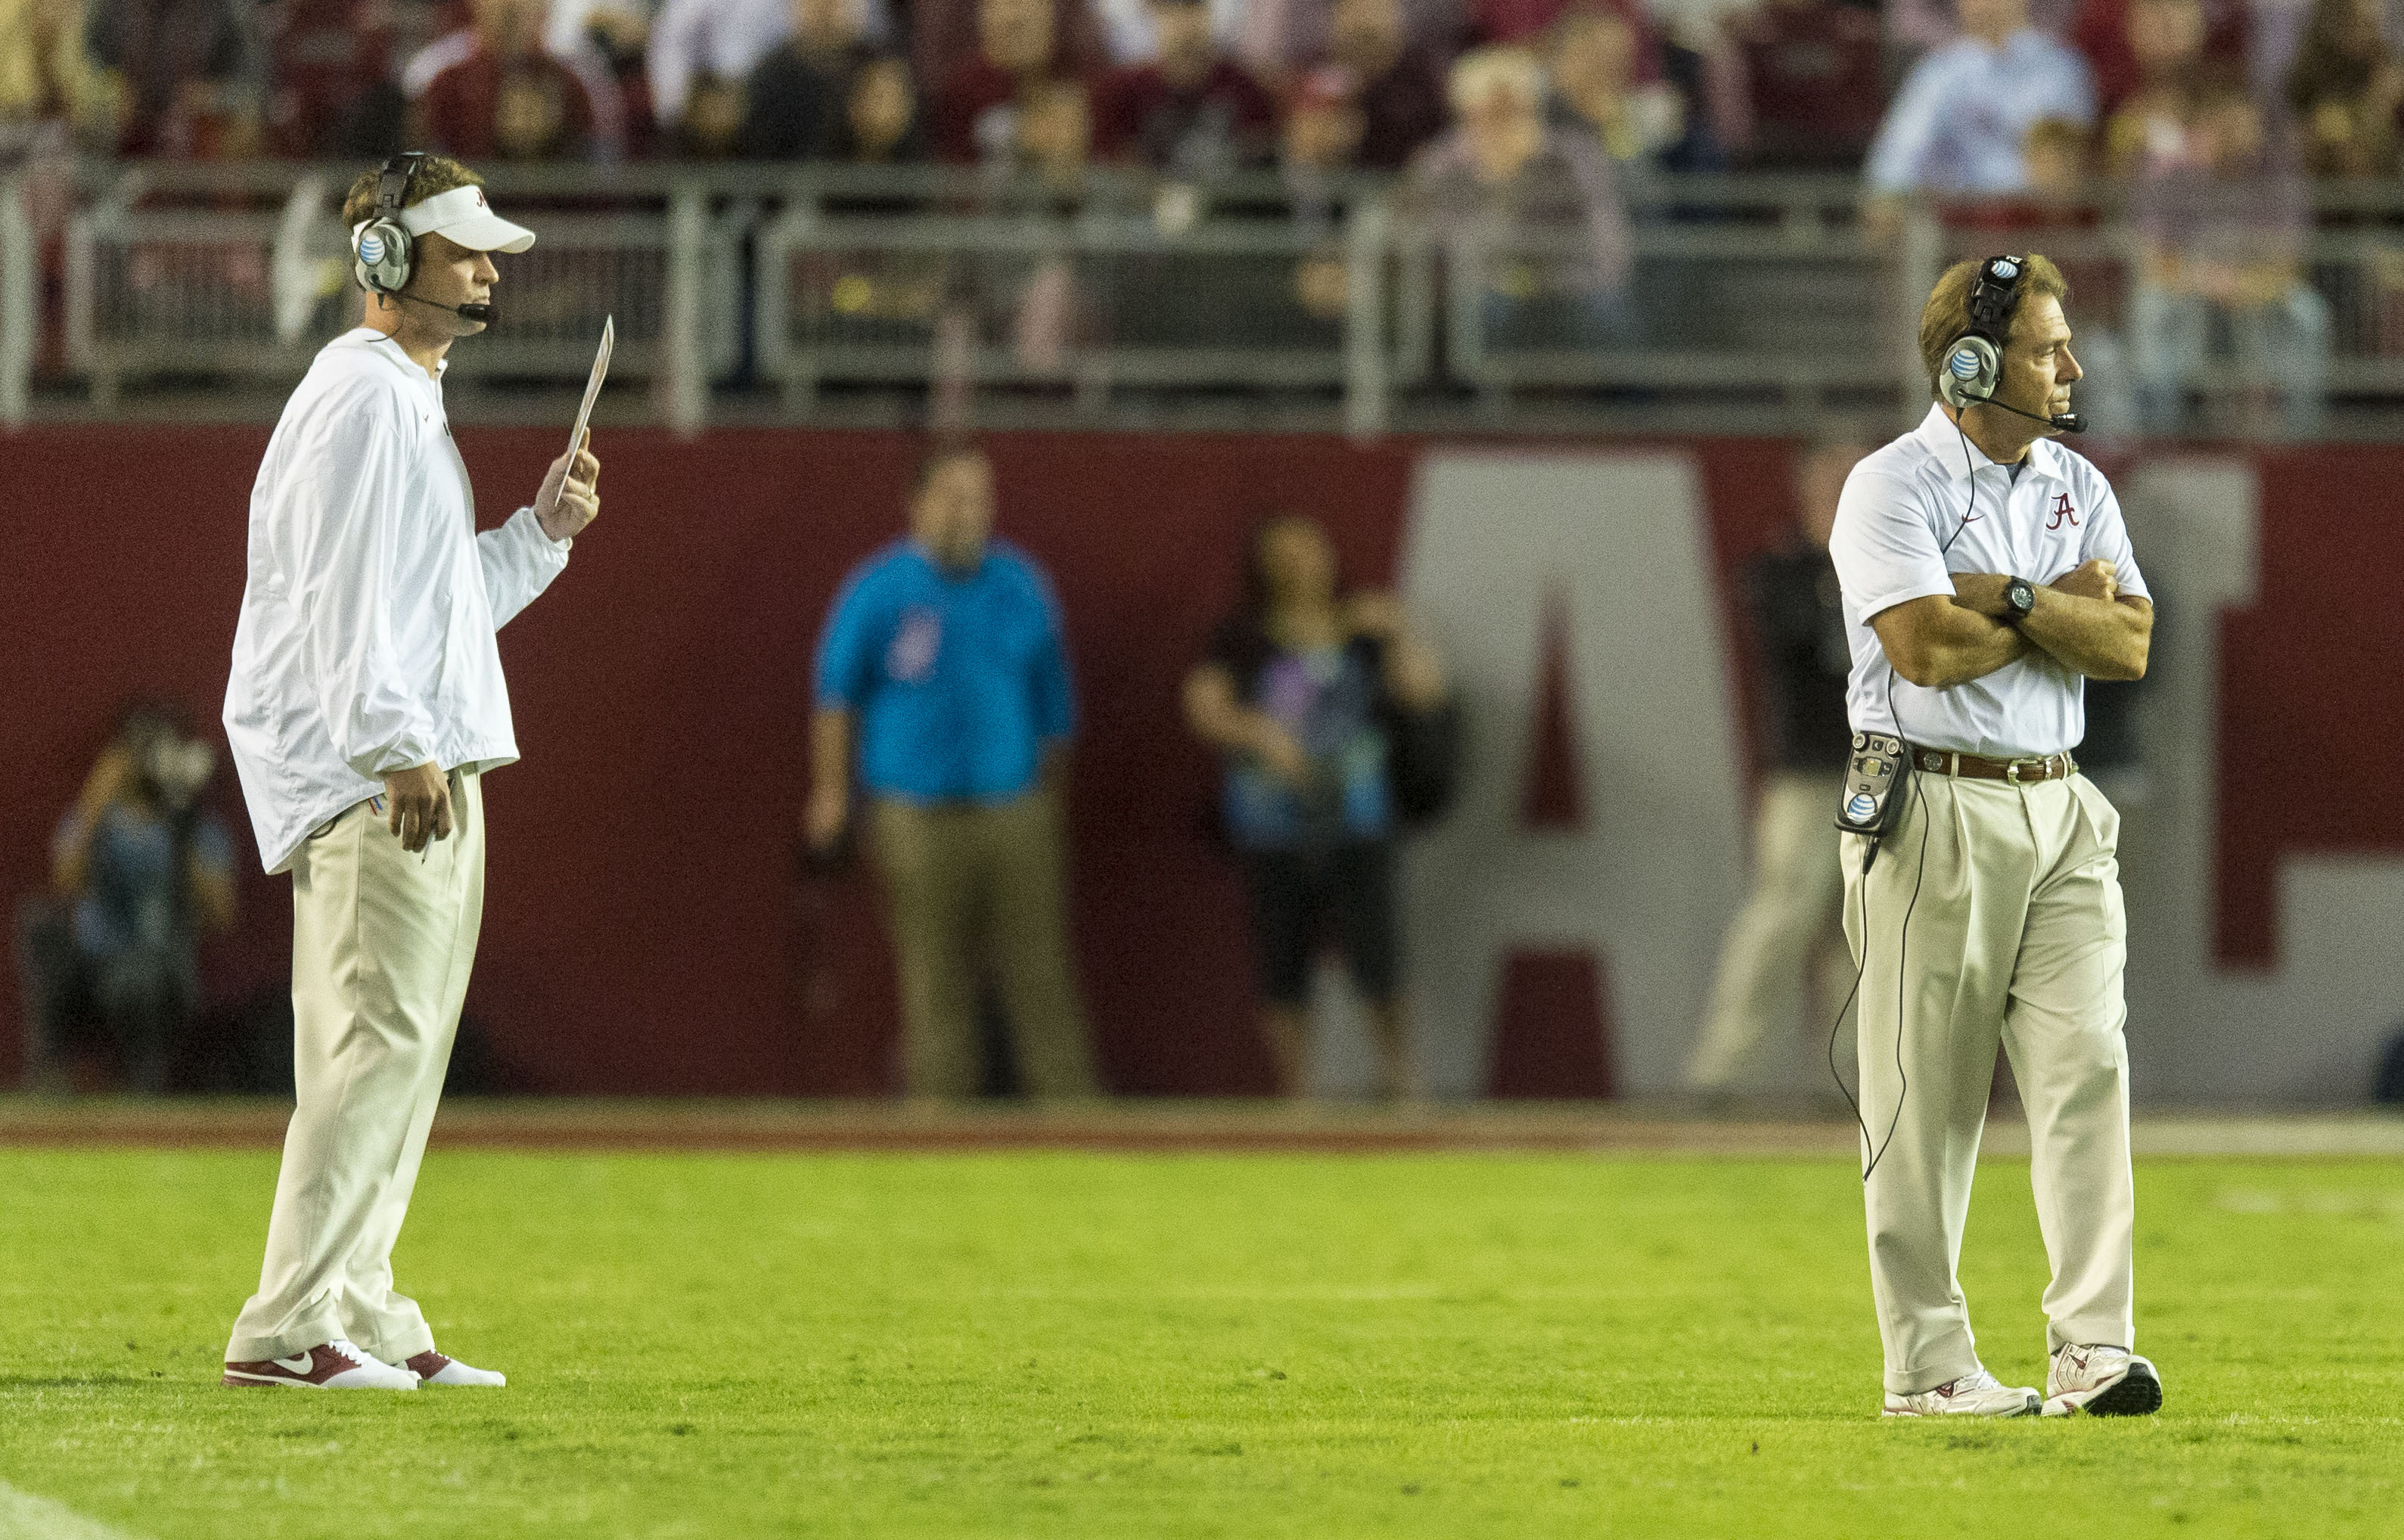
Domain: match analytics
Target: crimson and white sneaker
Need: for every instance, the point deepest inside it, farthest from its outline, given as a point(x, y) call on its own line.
point(335, 1365)
point(2100, 1382)
point(442, 1369)
point(1976, 1395)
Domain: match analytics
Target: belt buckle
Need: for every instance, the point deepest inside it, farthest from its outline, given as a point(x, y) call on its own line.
point(2012, 773)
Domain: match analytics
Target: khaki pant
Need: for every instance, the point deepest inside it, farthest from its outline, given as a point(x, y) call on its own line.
point(1768, 951)
point(2017, 935)
point(976, 893)
point(382, 944)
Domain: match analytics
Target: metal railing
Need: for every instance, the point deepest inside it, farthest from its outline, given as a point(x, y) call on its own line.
point(767, 288)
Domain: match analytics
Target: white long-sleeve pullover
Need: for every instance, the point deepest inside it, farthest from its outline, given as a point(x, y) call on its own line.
point(366, 643)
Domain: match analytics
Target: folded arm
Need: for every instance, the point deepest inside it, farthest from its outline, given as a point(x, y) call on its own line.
point(2081, 620)
point(1937, 643)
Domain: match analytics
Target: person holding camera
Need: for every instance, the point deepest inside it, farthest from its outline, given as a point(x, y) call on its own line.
point(139, 871)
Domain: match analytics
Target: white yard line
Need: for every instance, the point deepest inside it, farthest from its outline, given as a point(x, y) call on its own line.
point(26, 1517)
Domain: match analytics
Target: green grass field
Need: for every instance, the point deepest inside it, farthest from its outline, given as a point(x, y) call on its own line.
point(1058, 1345)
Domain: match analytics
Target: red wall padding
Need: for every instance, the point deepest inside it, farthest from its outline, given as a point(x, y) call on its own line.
point(644, 932)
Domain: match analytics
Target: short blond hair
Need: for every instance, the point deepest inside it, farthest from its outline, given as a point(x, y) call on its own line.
point(1477, 74)
point(1947, 315)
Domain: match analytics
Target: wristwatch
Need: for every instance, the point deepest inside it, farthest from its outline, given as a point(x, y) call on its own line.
point(2019, 598)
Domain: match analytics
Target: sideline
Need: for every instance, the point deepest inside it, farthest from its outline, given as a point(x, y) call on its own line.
point(26, 1517)
point(1654, 1129)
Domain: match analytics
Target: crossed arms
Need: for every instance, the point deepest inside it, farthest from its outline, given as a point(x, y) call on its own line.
point(2081, 620)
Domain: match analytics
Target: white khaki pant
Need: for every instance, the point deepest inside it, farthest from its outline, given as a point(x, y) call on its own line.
point(382, 944)
point(2016, 934)
point(1768, 955)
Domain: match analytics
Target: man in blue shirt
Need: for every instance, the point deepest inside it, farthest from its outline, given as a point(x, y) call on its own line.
point(943, 678)
point(1960, 121)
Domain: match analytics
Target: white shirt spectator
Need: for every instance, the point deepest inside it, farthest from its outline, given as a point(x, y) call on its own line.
point(726, 38)
point(1906, 524)
point(1958, 123)
point(366, 642)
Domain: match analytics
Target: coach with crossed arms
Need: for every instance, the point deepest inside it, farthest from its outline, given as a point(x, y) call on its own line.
point(365, 706)
point(1986, 574)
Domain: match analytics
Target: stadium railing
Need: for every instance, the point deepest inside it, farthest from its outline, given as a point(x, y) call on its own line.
point(1756, 302)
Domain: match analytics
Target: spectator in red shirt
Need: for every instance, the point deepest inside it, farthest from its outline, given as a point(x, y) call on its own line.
point(1020, 46)
point(509, 99)
point(2124, 49)
point(946, 33)
point(2165, 44)
point(1194, 111)
point(1399, 90)
point(334, 97)
point(1812, 84)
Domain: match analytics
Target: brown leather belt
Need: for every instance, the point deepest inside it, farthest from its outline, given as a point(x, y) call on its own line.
point(1944, 761)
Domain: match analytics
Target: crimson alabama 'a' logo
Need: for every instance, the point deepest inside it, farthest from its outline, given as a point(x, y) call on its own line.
point(2061, 510)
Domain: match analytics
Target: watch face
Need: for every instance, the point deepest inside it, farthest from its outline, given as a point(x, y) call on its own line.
point(2020, 597)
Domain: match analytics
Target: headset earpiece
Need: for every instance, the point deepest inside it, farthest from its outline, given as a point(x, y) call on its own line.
point(383, 253)
point(1974, 363)
point(1971, 372)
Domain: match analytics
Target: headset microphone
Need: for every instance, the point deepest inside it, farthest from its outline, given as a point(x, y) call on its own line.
point(473, 311)
point(2067, 422)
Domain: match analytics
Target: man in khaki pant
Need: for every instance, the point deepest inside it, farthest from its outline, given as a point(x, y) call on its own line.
point(943, 672)
point(1986, 573)
point(365, 706)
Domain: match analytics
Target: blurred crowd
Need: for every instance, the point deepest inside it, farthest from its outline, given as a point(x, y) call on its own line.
point(2202, 120)
point(1983, 97)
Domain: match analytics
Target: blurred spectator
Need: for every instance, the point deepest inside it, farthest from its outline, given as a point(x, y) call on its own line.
point(1914, 26)
point(795, 101)
point(2146, 114)
point(975, 108)
point(139, 871)
point(2344, 87)
point(605, 42)
point(724, 40)
point(2130, 54)
point(1502, 177)
point(711, 128)
point(947, 34)
point(881, 124)
point(1398, 88)
point(1597, 89)
point(2222, 237)
point(507, 99)
point(50, 88)
point(1194, 112)
point(191, 72)
point(1803, 659)
point(1957, 125)
point(944, 676)
point(334, 95)
point(1300, 692)
point(1321, 139)
point(1812, 84)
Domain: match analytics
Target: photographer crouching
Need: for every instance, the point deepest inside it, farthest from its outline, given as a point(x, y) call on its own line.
point(139, 871)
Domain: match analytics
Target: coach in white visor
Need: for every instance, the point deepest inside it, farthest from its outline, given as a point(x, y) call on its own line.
point(365, 706)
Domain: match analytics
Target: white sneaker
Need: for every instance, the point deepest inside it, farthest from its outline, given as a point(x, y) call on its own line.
point(1975, 1395)
point(437, 1368)
point(2100, 1382)
point(335, 1365)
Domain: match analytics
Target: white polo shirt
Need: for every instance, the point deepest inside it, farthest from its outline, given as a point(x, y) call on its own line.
point(1907, 522)
point(366, 642)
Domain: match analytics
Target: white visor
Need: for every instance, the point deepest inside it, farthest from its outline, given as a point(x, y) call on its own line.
point(461, 216)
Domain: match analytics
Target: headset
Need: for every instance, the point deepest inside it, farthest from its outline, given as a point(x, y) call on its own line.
point(1974, 362)
point(384, 255)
